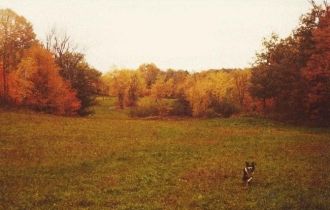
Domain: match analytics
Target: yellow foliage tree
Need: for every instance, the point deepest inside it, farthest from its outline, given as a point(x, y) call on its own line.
point(124, 84)
point(205, 90)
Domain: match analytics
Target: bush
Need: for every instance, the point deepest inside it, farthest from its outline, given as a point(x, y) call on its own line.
point(180, 107)
point(224, 108)
point(147, 107)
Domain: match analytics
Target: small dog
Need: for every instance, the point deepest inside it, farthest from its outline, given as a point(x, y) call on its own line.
point(248, 172)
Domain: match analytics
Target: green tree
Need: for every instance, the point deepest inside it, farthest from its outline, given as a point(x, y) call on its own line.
point(263, 79)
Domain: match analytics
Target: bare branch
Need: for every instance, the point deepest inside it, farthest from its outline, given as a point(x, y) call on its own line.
point(59, 44)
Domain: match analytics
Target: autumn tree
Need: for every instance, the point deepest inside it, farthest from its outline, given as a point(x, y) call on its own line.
point(263, 78)
point(177, 79)
point(284, 71)
point(125, 85)
point(209, 93)
point(21, 86)
point(198, 94)
point(73, 68)
point(149, 72)
point(16, 35)
point(241, 84)
point(84, 80)
point(132, 91)
point(37, 83)
point(317, 71)
point(276, 76)
point(163, 87)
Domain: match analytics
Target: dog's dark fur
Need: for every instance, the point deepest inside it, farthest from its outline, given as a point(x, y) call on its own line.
point(248, 172)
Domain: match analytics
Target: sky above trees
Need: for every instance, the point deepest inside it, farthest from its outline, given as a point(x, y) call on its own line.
point(182, 34)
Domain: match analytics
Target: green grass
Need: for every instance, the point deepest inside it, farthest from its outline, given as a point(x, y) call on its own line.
point(110, 161)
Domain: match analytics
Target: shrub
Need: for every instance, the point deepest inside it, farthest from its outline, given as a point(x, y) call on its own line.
point(223, 108)
point(147, 107)
point(180, 107)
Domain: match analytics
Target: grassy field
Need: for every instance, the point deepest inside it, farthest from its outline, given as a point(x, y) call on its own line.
point(111, 161)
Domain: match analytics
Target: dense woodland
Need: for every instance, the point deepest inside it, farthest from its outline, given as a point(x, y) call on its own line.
point(51, 77)
point(289, 79)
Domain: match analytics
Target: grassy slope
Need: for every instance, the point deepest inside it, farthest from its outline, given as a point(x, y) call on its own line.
point(109, 161)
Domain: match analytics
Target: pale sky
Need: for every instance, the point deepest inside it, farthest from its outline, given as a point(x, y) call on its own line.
point(179, 34)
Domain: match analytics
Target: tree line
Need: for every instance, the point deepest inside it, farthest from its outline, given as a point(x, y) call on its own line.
point(51, 77)
point(151, 91)
point(289, 80)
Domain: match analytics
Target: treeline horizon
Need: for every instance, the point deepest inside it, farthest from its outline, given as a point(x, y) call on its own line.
point(289, 79)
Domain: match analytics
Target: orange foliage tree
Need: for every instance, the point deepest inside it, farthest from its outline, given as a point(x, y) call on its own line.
point(37, 83)
point(16, 35)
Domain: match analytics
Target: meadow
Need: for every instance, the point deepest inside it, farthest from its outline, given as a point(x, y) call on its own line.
point(112, 161)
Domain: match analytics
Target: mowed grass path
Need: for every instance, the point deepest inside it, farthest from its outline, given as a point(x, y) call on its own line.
point(111, 161)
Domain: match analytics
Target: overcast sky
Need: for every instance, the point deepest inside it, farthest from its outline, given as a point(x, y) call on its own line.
point(180, 34)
